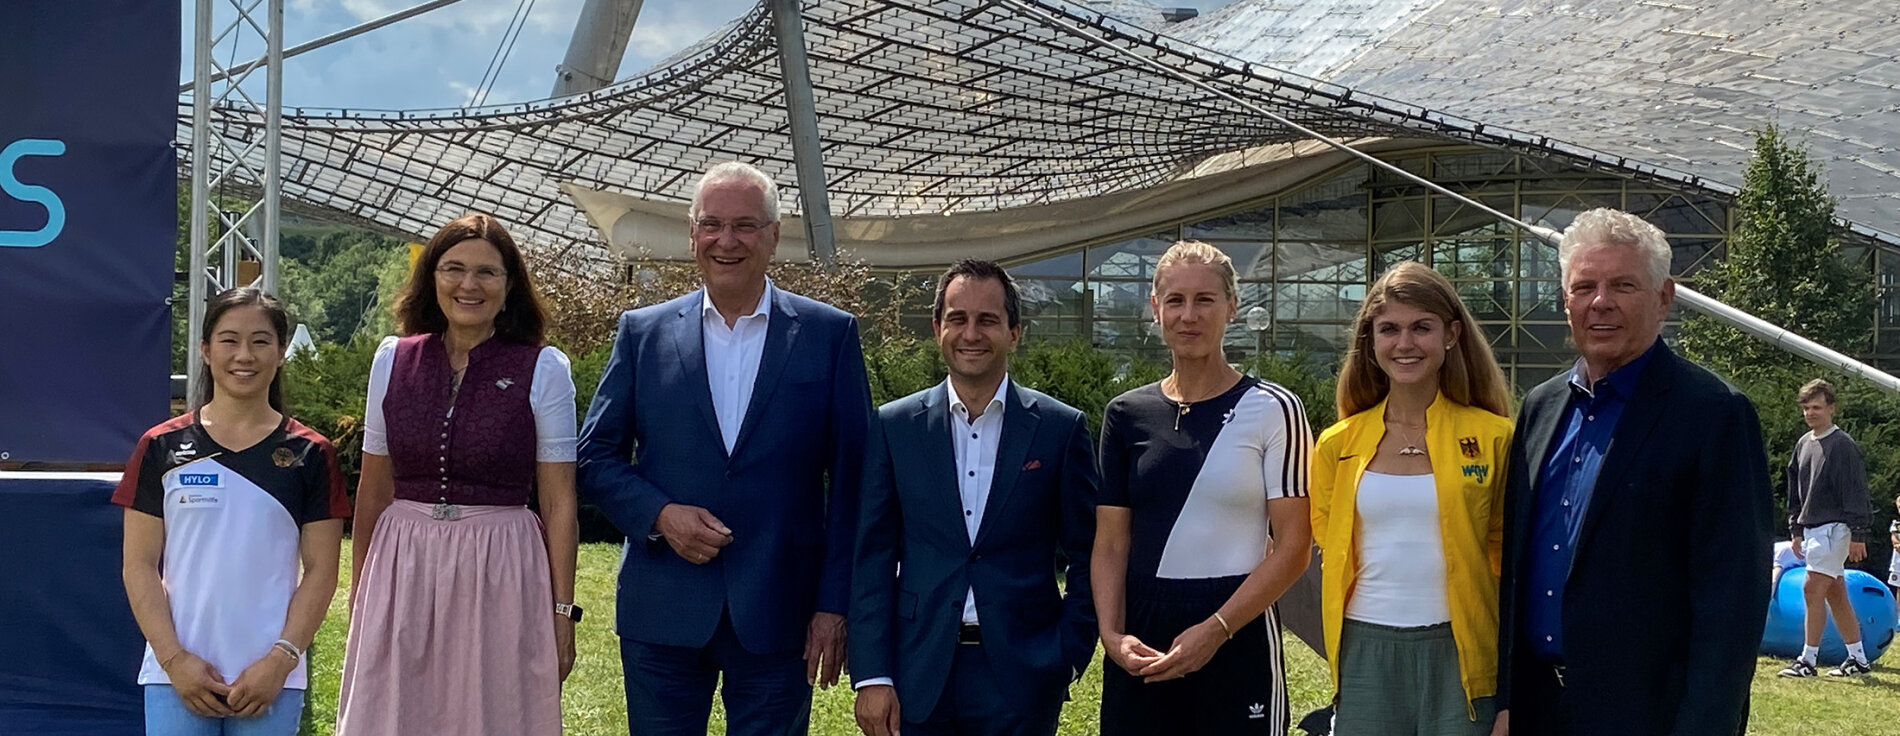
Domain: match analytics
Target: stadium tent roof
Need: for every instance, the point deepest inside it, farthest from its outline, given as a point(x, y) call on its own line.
point(1015, 116)
point(1677, 83)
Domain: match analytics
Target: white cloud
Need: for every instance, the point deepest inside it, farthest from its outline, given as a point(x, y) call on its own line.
point(462, 90)
point(480, 16)
point(664, 28)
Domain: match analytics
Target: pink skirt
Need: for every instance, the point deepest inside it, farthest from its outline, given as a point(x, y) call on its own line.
point(453, 628)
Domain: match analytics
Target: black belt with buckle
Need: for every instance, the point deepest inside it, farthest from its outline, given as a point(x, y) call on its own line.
point(969, 635)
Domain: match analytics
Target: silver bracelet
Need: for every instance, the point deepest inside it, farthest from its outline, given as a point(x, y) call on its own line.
point(289, 648)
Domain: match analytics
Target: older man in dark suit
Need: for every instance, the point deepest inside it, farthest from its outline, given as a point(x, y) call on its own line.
point(1638, 519)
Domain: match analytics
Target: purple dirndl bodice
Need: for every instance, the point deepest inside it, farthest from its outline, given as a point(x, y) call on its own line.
point(482, 452)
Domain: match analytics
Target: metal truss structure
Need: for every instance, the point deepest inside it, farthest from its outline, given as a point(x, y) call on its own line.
point(244, 136)
point(941, 107)
point(1676, 82)
point(925, 107)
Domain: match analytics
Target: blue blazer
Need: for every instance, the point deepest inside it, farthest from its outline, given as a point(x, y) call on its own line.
point(915, 560)
point(651, 438)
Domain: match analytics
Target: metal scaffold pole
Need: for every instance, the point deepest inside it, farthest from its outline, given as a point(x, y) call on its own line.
point(233, 155)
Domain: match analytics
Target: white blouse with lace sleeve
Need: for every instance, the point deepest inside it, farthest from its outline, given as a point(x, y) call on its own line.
point(555, 427)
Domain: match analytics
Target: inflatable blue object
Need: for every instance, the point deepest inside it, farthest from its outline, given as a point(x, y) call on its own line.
point(1873, 607)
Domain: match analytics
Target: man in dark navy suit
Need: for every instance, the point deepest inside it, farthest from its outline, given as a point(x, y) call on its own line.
point(971, 489)
point(743, 408)
point(1637, 517)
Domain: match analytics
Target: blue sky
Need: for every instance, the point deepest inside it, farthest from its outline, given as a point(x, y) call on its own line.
point(436, 60)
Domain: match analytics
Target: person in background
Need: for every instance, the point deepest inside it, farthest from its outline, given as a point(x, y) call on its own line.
point(1893, 563)
point(233, 516)
point(1828, 506)
point(462, 616)
point(1408, 511)
point(1201, 525)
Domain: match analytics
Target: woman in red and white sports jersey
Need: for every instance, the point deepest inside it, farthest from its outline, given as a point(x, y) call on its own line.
point(225, 507)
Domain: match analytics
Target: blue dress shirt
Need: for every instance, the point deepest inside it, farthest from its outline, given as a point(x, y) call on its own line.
point(1564, 487)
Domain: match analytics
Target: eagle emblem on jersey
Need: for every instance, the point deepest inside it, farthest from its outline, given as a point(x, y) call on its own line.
point(1469, 446)
point(282, 457)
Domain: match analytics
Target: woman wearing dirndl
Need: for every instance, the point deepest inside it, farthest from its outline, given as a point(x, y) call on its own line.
point(461, 596)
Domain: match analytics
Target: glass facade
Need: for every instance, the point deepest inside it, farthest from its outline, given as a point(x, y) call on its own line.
point(1306, 256)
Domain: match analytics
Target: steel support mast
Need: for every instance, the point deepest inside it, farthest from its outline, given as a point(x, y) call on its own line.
point(233, 155)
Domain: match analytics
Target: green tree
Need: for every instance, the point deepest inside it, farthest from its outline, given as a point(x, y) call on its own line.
point(1785, 266)
point(335, 287)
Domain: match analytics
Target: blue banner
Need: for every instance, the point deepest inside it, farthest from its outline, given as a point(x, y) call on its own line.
point(88, 224)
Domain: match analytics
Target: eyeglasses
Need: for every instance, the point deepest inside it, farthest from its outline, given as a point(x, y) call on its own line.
point(455, 272)
point(710, 226)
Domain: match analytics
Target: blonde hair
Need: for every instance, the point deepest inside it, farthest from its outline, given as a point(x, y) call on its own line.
point(1195, 251)
point(1470, 375)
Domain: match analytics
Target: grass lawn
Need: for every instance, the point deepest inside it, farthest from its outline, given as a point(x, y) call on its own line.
point(593, 703)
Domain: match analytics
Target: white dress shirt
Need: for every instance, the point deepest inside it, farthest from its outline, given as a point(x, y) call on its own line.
point(732, 360)
point(975, 444)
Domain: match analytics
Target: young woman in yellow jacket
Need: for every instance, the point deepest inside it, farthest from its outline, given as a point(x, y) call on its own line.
point(1407, 503)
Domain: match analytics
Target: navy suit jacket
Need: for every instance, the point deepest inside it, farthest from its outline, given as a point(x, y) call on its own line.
point(1663, 609)
point(651, 438)
point(915, 560)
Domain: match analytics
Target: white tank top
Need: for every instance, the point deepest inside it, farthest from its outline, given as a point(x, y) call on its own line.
point(1401, 576)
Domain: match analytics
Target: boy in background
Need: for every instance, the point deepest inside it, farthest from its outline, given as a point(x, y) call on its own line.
point(1828, 505)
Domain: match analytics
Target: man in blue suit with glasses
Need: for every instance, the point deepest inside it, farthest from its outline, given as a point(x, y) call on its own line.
point(971, 489)
point(726, 442)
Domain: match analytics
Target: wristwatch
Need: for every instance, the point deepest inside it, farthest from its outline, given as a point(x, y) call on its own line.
point(569, 610)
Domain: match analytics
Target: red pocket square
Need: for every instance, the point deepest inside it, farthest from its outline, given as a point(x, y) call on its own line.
point(1032, 465)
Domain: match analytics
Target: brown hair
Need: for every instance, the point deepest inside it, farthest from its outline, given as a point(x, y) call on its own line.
point(521, 319)
point(1817, 388)
point(1470, 375)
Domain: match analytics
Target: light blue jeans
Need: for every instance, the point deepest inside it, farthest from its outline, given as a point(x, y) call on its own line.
point(166, 715)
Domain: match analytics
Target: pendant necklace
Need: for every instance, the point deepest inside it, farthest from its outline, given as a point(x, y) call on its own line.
point(1185, 406)
point(1411, 447)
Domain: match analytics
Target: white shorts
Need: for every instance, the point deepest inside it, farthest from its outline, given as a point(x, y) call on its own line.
point(1893, 566)
point(1825, 548)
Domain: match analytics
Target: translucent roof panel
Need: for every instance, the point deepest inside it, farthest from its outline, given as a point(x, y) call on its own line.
point(1677, 83)
point(934, 107)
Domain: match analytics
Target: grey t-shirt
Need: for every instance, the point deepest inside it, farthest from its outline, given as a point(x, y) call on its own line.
point(1827, 483)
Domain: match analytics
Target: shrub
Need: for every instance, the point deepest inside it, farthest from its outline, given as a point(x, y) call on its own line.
point(1308, 377)
point(325, 387)
point(1077, 374)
